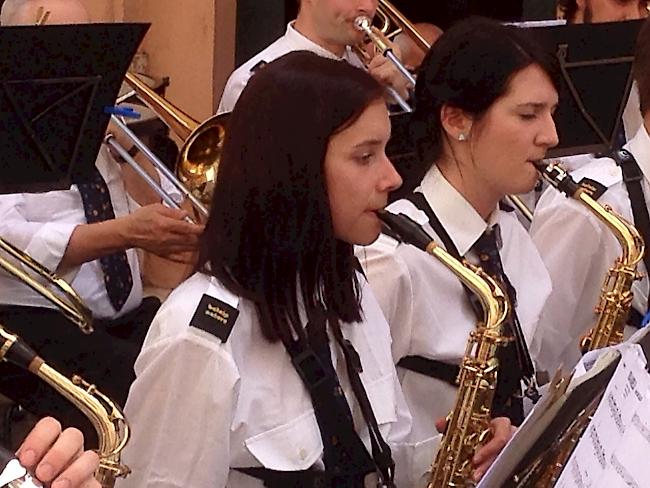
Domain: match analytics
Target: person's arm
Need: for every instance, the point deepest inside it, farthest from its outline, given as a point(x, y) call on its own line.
point(57, 456)
point(154, 228)
point(180, 409)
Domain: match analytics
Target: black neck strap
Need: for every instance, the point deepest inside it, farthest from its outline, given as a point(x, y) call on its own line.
point(525, 361)
point(321, 381)
point(633, 179)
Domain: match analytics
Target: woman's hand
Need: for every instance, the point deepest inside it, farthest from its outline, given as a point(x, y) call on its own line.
point(57, 457)
point(501, 430)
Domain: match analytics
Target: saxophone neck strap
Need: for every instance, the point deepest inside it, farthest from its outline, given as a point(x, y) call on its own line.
point(421, 203)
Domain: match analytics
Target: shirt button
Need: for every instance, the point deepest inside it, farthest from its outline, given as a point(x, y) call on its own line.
point(302, 454)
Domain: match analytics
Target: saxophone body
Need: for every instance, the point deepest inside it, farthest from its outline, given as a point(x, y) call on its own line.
point(616, 294)
point(468, 425)
point(106, 417)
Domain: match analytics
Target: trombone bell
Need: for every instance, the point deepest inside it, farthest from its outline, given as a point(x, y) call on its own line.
point(198, 161)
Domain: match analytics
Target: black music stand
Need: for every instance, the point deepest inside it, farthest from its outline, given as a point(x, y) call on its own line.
point(55, 83)
point(595, 62)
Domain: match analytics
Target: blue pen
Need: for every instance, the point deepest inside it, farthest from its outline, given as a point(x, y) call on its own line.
point(127, 112)
point(646, 319)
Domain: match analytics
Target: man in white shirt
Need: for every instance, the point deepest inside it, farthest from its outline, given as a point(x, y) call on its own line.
point(97, 256)
point(325, 27)
point(578, 249)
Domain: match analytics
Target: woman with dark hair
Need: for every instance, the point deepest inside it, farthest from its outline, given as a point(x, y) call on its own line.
point(271, 365)
point(485, 99)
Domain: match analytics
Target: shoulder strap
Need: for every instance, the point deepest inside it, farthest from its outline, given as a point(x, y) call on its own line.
point(332, 411)
point(421, 203)
point(633, 177)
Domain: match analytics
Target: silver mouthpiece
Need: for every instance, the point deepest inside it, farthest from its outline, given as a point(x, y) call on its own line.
point(362, 23)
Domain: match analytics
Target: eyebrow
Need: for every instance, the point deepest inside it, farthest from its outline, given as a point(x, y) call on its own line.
point(536, 105)
point(369, 142)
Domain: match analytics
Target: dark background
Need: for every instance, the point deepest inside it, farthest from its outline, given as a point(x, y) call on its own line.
point(261, 22)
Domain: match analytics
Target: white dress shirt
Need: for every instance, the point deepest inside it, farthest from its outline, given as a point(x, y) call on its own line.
point(200, 407)
point(427, 309)
point(41, 224)
point(578, 250)
point(291, 41)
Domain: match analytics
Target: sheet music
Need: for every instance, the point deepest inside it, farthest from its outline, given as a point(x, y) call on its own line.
point(612, 450)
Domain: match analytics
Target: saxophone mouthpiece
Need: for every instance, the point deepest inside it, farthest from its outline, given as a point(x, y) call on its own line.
point(556, 175)
point(14, 350)
point(405, 229)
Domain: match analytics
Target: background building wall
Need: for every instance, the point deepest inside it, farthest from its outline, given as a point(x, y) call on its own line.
point(191, 42)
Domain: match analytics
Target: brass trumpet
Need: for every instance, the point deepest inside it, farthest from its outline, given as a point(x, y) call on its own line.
point(68, 301)
point(393, 22)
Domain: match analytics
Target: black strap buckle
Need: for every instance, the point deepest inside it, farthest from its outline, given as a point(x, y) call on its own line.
point(631, 172)
point(310, 368)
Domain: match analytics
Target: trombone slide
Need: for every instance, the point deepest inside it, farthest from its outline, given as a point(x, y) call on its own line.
point(159, 165)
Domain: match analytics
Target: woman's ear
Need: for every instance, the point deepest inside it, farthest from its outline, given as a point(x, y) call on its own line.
point(455, 122)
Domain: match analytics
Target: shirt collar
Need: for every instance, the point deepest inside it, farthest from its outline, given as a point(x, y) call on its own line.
point(302, 42)
point(639, 146)
point(461, 221)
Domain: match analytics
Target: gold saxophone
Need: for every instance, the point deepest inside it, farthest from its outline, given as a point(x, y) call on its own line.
point(469, 422)
point(106, 417)
point(616, 295)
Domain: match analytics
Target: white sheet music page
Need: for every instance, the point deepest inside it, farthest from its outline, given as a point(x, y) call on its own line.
point(613, 451)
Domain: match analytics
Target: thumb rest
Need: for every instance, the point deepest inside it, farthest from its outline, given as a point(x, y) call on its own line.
point(468, 424)
point(106, 417)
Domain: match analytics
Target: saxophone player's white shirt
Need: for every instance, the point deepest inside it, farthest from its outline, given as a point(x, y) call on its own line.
point(200, 406)
point(426, 307)
point(578, 250)
point(292, 40)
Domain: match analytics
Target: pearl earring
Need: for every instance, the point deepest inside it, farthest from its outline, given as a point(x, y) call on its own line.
point(462, 137)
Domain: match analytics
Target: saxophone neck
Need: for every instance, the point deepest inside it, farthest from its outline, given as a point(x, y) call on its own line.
point(494, 301)
point(626, 233)
point(105, 416)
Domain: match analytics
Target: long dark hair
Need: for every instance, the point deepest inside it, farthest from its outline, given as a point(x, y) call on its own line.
point(469, 67)
point(269, 237)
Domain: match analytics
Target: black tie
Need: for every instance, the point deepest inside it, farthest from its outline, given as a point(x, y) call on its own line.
point(98, 208)
point(507, 398)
